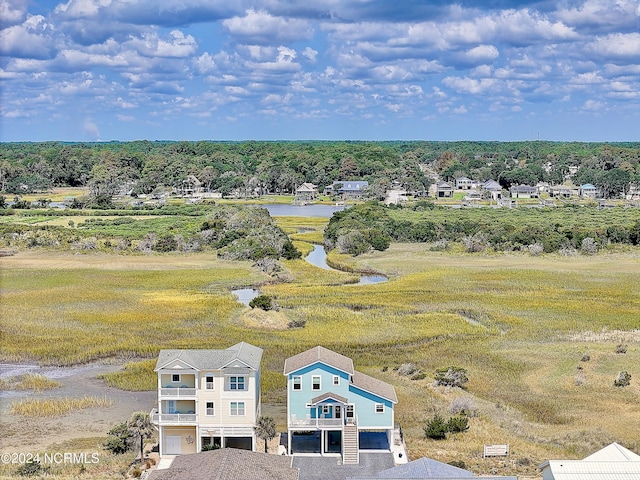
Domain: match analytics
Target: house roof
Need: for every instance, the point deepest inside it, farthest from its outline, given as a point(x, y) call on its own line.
point(327, 396)
point(212, 359)
point(613, 462)
point(443, 185)
point(307, 187)
point(613, 452)
point(318, 354)
point(587, 186)
point(425, 468)
point(491, 185)
point(228, 464)
point(373, 385)
point(523, 188)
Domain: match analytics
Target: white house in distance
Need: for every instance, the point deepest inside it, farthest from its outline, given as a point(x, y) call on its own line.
point(207, 397)
point(333, 409)
point(612, 462)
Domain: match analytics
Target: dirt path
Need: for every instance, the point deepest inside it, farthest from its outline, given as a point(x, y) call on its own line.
point(21, 434)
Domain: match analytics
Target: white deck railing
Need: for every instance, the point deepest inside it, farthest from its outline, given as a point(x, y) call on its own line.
point(178, 392)
point(315, 422)
point(173, 417)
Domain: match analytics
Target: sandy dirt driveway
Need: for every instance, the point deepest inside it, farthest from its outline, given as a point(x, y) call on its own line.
point(21, 434)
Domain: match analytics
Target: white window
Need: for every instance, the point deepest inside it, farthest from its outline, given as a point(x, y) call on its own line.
point(236, 383)
point(336, 380)
point(326, 409)
point(210, 383)
point(297, 383)
point(237, 408)
point(175, 378)
point(350, 411)
point(210, 409)
point(315, 382)
point(379, 407)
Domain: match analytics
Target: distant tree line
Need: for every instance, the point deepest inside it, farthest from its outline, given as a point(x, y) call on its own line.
point(279, 167)
point(569, 229)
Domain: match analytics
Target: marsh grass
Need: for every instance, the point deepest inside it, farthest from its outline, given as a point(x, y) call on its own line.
point(29, 381)
point(134, 377)
point(532, 318)
point(56, 407)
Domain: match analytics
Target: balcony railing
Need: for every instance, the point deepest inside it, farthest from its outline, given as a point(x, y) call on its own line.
point(178, 392)
point(173, 417)
point(315, 422)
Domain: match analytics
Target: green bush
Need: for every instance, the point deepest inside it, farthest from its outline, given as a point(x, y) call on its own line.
point(451, 377)
point(458, 423)
point(436, 428)
point(263, 302)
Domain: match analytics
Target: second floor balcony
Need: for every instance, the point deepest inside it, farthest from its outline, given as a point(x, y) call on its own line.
point(173, 418)
point(182, 391)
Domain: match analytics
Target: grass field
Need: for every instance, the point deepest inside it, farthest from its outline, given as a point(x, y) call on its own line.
point(519, 324)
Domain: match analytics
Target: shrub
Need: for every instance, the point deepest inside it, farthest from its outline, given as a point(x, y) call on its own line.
point(289, 252)
point(589, 246)
point(436, 428)
point(622, 348)
point(120, 439)
point(458, 463)
point(536, 249)
point(623, 379)
point(585, 357)
point(419, 376)
point(407, 369)
point(462, 406)
point(297, 324)
point(353, 243)
point(451, 377)
point(475, 243)
point(439, 246)
point(31, 469)
point(263, 302)
point(458, 423)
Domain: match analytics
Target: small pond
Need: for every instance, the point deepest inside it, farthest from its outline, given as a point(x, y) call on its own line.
point(287, 210)
point(245, 295)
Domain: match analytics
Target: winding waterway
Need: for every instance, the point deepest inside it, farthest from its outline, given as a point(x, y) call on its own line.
point(318, 256)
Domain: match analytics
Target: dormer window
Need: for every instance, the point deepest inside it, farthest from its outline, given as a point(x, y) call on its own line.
point(236, 383)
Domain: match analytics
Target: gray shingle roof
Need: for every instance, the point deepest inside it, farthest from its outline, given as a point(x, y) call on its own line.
point(212, 359)
point(318, 354)
point(425, 468)
point(374, 385)
point(228, 464)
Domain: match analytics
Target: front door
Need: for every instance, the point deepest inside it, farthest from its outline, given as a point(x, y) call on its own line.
point(173, 445)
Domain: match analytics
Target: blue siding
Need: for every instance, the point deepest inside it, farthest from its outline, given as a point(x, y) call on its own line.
point(364, 401)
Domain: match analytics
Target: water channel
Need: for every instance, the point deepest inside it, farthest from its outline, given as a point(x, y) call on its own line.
point(318, 256)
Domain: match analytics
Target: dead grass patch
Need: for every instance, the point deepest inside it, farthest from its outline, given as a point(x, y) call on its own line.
point(270, 320)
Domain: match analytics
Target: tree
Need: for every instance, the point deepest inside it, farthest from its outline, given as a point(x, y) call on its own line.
point(436, 428)
point(263, 302)
point(265, 429)
point(119, 439)
point(139, 425)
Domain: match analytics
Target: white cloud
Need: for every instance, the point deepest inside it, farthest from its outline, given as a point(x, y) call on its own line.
point(617, 47)
point(31, 39)
point(261, 27)
point(470, 85)
point(91, 129)
point(310, 54)
point(204, 63)
point(12, 11)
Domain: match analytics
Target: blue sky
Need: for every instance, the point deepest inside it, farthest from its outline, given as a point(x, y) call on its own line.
point(88, 70)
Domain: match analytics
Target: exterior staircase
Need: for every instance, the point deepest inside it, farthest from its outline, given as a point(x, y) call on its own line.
point(350, 446)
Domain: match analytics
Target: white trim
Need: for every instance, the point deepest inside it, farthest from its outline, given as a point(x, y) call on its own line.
point(293, 383)
point(336, 380)
point(319, 377)
point(213, 408)
point(237, 414)
point(379, 408)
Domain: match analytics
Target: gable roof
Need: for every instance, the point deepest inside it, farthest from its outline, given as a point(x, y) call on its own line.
point(228, 464)
point(351, 185)
point(613, 452)
point(326, 396)
point(425, 468)
point(491, 185)
point(375, 386)
point(318, 354)
point(307, 187)
point(612, 462)
point(211, 359)
point(443, 185)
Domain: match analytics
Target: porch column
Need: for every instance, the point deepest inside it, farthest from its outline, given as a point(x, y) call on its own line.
point(289, 442)
point(322, 434)
point(160, 440)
